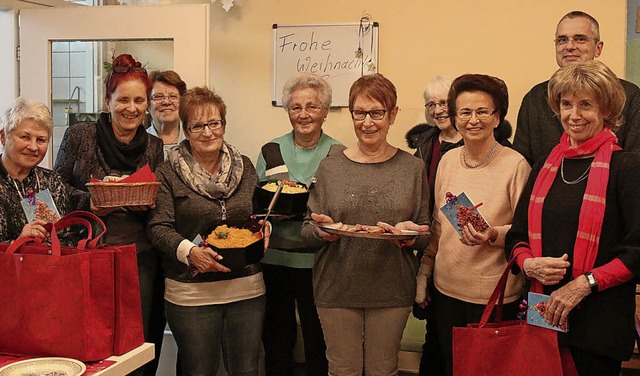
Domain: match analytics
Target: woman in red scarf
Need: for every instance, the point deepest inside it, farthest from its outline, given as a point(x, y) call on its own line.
point(576, 231)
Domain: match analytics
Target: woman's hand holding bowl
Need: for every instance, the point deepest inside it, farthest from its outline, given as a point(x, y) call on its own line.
point(204, 259)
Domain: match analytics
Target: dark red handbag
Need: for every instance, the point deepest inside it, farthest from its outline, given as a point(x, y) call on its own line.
point(80, 302)
point(128, 330)
point(56, 301)
point(505, 347)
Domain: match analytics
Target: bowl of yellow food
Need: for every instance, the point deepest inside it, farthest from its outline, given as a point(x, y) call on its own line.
point(239, 242)
point(292, 199)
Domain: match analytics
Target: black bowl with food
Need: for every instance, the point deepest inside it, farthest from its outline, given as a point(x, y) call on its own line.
point(292, 199)
point(239, 242)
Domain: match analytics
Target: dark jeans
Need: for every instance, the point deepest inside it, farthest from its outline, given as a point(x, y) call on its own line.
point(201, 332)
point(286, 288)
point(432, 359)
point(450, 312)
point(152, 297)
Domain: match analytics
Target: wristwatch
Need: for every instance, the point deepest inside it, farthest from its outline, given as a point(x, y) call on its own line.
point(593, 284)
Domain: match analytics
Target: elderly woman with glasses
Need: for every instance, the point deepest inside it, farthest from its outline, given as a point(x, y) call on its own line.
point(25, 134)
point(364, 287)
point(576, 231)
point(116, 145)
point(164, 107)
point(205, 181)
point(469, 262)
point(287, 264)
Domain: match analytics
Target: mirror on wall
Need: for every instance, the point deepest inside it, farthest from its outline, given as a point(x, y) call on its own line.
point(78, 74)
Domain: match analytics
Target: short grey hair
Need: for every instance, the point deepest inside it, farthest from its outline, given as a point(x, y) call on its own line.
point(304, 80)
point(438, 87)
point(23, 109)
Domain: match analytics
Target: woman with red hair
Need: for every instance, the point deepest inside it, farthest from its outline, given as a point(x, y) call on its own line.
point(116, 145)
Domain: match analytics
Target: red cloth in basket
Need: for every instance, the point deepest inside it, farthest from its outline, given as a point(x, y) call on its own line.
point(143, 175)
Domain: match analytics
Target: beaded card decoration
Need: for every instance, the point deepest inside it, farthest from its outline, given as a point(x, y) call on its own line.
point(459, 210)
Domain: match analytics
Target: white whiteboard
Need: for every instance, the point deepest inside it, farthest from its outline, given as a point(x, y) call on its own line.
point(329, 51)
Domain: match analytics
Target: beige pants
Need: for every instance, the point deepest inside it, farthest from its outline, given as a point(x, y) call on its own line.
point(365, 339)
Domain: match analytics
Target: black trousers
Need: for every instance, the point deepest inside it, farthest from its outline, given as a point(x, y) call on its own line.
point(589, 364)
point(286, 289)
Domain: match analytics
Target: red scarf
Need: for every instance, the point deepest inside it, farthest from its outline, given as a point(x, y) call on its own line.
point(593, 201)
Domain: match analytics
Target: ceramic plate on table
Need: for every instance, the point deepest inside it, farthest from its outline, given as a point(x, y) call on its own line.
point(44, 367)
point(347, 230)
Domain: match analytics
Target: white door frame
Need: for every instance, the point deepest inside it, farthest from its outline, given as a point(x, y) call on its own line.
point(186, 24)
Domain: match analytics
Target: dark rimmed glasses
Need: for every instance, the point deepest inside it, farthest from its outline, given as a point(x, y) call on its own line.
point(120, 69)
point(212, 125)
point(360, 115)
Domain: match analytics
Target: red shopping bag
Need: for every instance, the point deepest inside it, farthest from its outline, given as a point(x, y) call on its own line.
point(56, 301)
point(507, 347)
point(128, 330)
point(80, 302)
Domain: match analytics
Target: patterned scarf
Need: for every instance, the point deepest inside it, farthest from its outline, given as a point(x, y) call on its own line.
point(593, 201)
point(220, 186)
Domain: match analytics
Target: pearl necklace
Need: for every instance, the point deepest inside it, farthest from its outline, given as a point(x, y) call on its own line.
point(464, 157)
point(584, 175)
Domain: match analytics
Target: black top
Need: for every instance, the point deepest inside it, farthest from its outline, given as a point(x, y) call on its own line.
point(603, 323)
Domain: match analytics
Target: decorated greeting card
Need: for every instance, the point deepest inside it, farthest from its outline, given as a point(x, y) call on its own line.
point(459, 210)
point(40, 206)
point(536, 310)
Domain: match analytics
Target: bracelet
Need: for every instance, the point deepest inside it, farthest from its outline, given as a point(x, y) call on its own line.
point(189, 256)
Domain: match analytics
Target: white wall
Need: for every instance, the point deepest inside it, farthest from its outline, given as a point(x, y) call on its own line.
point(8, 79)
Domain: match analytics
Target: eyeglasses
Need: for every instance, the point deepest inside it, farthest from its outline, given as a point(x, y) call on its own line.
point(212, 125)
point(159, 98)
point(481, 114)
point(312, 109)
point(120, 69)
point(373, 114)
point(576, 39)
point(432, 105)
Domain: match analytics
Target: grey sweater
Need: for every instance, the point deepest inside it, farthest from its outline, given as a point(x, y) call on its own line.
point(366, 273)
point(181, 214)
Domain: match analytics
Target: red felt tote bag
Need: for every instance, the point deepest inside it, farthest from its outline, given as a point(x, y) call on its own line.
point(80, 302)
point(506, 347)
point(127, 326)
point(56, 301)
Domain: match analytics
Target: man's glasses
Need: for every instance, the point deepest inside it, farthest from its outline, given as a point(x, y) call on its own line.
point(432, 105)
point(312, 109)
point(576, 39)
point(159, 98)
point(373, 114)
point(212, 125)
point(481, 114)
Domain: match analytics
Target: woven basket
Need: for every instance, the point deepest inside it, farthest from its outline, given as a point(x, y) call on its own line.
point(113, 194)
